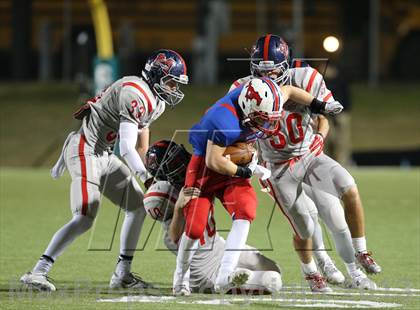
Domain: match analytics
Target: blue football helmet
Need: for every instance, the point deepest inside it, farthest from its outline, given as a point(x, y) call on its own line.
point(164, 71)
point(271, 54)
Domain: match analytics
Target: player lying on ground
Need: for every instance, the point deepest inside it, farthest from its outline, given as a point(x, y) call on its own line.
point(294, 156)
point(246, 114)
point(126, 108)
point(167, 162)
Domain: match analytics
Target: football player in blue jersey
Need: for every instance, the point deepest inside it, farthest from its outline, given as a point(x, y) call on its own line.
point(250, 112)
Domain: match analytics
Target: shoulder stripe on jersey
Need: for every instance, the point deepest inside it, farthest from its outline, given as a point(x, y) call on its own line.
point(327, 96)
point(85, 198)
point(231, 109)
point(274, 91)
point(137, 86)
point(158, 194)
point(311, 80)
point(266, 46)
point(236, 83)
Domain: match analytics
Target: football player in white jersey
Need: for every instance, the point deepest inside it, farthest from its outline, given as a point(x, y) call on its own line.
point(295, 157)
point(167, 162)
point(124, 109)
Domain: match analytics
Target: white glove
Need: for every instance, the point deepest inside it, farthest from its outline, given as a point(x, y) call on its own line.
point(333, 108)
point(254, 162)
point(262, 172)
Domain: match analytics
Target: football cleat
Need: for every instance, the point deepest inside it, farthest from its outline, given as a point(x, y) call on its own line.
point(360, 280)
point(38, 281)
point(317, 283)
point(130, 280)
point(236, 279)
point(368, 263)
point(181, 290)
point(331, 272)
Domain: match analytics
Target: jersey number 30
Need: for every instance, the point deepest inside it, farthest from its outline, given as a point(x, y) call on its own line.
point(294, 131)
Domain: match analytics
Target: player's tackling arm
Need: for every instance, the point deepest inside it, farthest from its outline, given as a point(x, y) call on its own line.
point(300, 96)
point(128, 133)
point(176, 228)
point(143, 142)
point(323, 126)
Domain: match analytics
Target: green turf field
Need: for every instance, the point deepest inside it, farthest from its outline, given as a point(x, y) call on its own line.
point(33, 207)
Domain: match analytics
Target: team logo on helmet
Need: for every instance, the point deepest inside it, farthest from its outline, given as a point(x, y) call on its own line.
point(251, 94)
point(284, 49)
point(165, 63)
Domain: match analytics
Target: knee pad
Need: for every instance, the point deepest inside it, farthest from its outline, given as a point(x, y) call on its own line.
point(81, 223)
point(303, 223)
point(194, 230)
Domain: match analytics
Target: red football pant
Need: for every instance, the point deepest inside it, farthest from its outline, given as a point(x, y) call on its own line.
point(236, 194)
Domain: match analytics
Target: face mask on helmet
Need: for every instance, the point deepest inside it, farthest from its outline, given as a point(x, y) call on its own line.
point(168, 89)
point(165, 71)
point(263, 125)
point(266, 68)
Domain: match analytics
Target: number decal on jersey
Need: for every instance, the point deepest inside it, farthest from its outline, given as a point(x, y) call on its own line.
point(296, 119)
point(156, 213)
point(111, 136)
point(294, 131)
point(278, 140)
point(140, 112)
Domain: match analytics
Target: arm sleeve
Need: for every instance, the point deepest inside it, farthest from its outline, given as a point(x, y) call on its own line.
point(128, 138)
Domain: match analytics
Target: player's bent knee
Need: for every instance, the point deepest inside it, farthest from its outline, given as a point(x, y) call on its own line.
point(194, 230)
point(248, 215)
point(272, 281)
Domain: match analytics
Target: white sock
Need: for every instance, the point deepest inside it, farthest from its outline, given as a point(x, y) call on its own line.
point(130, 231)
point(351, 268)
point(123, 265)
point(186, 250)
point(309, 268)
point(66, 234)
point(43, 265)
point(235, 242)
point(318, 244)
point(359, 244)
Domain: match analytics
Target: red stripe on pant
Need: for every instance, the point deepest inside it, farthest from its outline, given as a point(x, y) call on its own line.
point(84, 174)
point(273, 195)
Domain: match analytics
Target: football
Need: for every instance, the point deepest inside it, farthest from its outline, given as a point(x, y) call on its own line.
point(240, 153)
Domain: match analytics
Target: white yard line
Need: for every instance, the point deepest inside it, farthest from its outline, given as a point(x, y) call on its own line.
point(347, 293)
point(283, 302)
point(384, 289)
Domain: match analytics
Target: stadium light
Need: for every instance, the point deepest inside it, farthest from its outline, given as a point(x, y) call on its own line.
point(331, 44)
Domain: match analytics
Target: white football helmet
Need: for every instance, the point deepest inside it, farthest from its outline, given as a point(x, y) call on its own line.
point(262, 104)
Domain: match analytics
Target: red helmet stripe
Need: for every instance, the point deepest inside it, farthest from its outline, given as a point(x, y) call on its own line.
point(266, 45)
point(183, 62)
point(274, 91)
